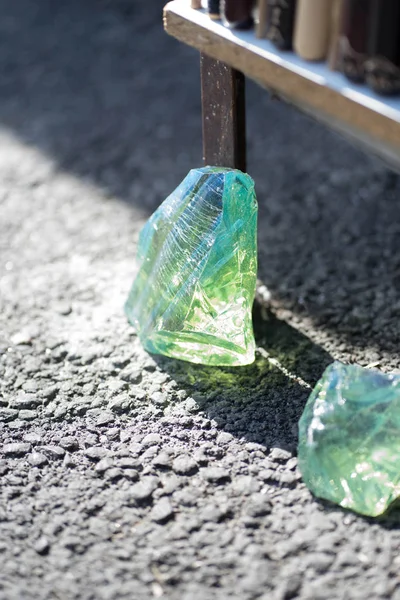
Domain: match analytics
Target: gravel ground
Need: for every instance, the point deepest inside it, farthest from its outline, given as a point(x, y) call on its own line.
point(130, 476)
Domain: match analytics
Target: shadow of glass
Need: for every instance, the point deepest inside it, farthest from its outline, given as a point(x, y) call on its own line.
point(261, 402)
point(390, 519)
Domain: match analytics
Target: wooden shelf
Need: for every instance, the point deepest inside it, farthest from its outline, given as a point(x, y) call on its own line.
point(366, 118)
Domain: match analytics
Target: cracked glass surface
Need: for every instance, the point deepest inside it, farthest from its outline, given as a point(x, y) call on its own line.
point(349, 438)
point(193, 295)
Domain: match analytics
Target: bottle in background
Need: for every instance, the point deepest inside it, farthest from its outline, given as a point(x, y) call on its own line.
point(382, 69)
point(312, 28)
point(352, 48)
point(261, 29)
point(213, 9)
point(280, 22)
point(336, 25)
point(238, 14)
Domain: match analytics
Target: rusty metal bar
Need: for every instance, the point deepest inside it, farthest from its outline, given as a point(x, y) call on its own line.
point(224, 115)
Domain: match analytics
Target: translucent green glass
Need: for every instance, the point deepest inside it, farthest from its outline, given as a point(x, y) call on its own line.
point(193, 295)
point(349, 438)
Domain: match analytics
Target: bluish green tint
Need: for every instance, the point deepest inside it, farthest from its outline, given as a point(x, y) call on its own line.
point(193, 295)
point(349, 438)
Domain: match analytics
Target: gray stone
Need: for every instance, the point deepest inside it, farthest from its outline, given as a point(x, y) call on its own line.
point(162, 460)
point(151, 439)
point(105, 419)
point(16, 449)
point(279, 455)
point(115, 473)
point(131, 374)
point(37, 459)
point(224, 438)
point(158, 398)
point(213, 513)
point(25, 401)
point(215, 474)
point(128, 462)
point(27, 415)
point(143, 490)
point(42, 546)
point(32, 437)
point(8, 414)
point(120, 403)
point(184, 465)
point(52, 452)
point(104, 464)
point(259, 505)
point(95, 452)
point(130, 474)
point(162, 510)
point(69, 443)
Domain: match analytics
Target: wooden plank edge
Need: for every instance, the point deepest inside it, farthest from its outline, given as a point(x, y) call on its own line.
point(282, 81)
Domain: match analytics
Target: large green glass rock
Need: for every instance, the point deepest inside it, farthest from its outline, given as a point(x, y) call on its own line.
point(193, 295)
point(349, 438)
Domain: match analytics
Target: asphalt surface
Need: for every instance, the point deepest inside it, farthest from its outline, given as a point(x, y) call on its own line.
point(130, 476)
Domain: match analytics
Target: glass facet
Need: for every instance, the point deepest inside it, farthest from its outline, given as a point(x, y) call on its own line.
point(193, 295)
point(349, 438)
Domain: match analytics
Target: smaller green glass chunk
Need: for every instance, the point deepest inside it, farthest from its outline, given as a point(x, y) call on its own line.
point(197, 254)
point(349, 439)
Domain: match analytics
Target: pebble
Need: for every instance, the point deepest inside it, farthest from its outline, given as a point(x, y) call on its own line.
point(69, 443)
point(16, 449)
point(184, 465)
point(33, 437)
point(259, 505)
point(130, 474)
point(105, 419)
point(162, 511)
point(25, 401)
point(131, 374)
point(151, 439)
point(159, 398)
point(120, 403)
point(42, 546)
point(104, 464)
point(27, 415)
point(31, 386)
point(95, 452)
point(224, 438)
point(128, 462)
point(37, 459)
point(212, 513)
point(8, 414)
point(113, 433)
point(114, 473)
point(53, 452)
point(279, 455)
point(144, 489)
point(215, 474)
point(162, 460)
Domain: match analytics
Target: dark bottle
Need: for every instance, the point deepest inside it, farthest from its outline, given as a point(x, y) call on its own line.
point(352, 51)
point(238, 14)
point(280, 22)
point(213, 9)
point(382, 69)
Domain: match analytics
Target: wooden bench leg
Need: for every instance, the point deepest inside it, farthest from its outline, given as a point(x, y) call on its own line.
point(224, 116)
